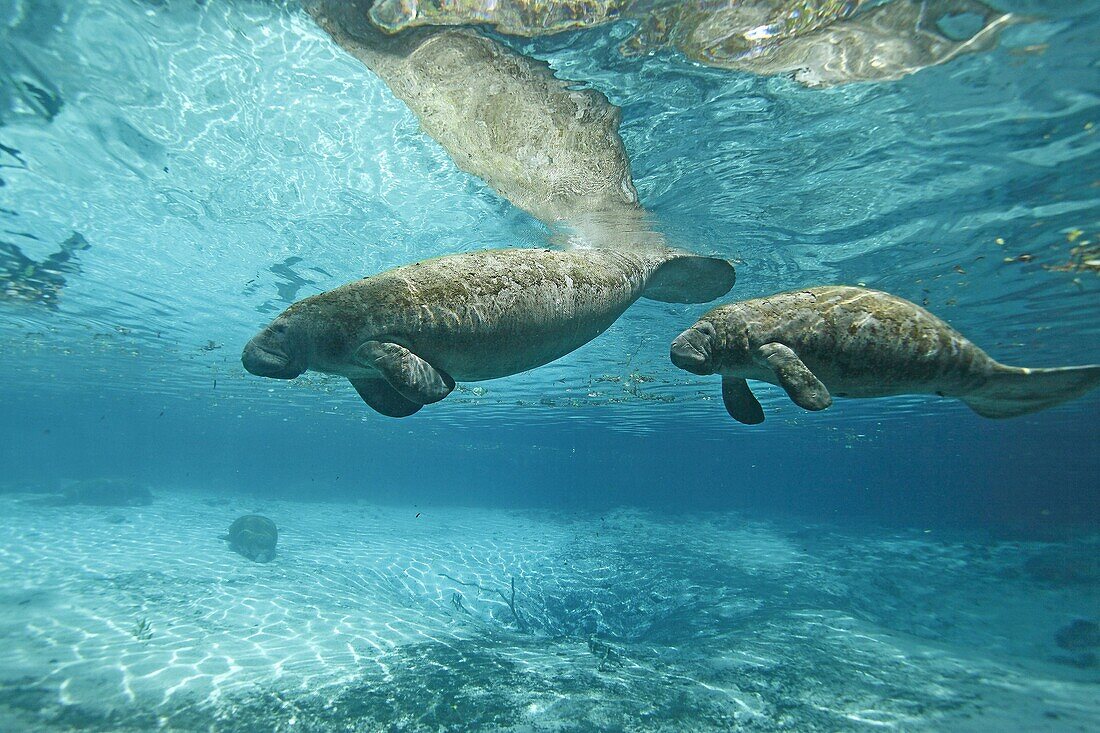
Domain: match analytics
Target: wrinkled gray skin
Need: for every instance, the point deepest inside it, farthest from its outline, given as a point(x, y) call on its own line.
point(404, 337)
point(254, 537)
point(822, 342)
point(547, 147)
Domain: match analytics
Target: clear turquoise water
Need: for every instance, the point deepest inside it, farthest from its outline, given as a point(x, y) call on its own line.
point(852, 569)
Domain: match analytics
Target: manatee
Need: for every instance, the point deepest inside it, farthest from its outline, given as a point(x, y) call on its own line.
point(545, 144)
point(403, 337)
point(822, 342)
point(253, 536)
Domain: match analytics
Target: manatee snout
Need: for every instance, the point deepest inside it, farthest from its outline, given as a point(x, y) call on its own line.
point(271, 353)
point(691, 351)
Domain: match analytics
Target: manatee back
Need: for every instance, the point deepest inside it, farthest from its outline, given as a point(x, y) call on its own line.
point(489, 314)
point(855, 336)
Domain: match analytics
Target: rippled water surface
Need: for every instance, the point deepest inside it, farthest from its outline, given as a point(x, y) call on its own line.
point(182, 171)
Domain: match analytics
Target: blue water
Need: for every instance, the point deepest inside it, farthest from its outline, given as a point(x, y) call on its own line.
point(898, 563)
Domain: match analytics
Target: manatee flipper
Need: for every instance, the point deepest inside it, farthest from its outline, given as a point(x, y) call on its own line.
point(383, 398)
point(415, 379)
point(688, 278)
point(796, 379)
point(1012, 391)
point(740, 402)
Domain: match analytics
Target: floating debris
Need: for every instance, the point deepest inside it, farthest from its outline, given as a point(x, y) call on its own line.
point(1085, 257)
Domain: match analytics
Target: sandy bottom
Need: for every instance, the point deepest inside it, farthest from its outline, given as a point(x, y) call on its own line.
point(374, 618)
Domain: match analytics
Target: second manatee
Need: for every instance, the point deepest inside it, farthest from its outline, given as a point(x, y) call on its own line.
point(841, 341)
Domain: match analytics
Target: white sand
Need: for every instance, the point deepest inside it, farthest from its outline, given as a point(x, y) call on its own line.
point(706, 622)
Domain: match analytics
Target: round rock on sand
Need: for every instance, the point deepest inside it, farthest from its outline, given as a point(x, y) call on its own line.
point(253, 536)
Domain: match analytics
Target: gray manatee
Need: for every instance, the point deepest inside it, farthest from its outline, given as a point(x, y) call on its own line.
point(853, 342)
point(545, 145)
point(403, 337)
point(253, 536)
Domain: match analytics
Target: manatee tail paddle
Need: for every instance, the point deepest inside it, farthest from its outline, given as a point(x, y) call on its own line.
point(1013, 391)
point(689, 278)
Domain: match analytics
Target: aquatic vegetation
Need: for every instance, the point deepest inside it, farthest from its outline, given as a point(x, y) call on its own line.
point(143, 630)
point(509, 600)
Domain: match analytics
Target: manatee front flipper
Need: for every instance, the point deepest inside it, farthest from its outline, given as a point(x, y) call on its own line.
point(740, 402)
point(415, 379)
point(800, 384)
point(383, 398)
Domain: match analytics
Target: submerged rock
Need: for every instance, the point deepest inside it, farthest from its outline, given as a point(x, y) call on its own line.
point(105, 492)
point(253, 536)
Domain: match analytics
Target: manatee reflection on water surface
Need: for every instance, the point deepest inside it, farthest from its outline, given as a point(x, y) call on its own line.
point(822, 42)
